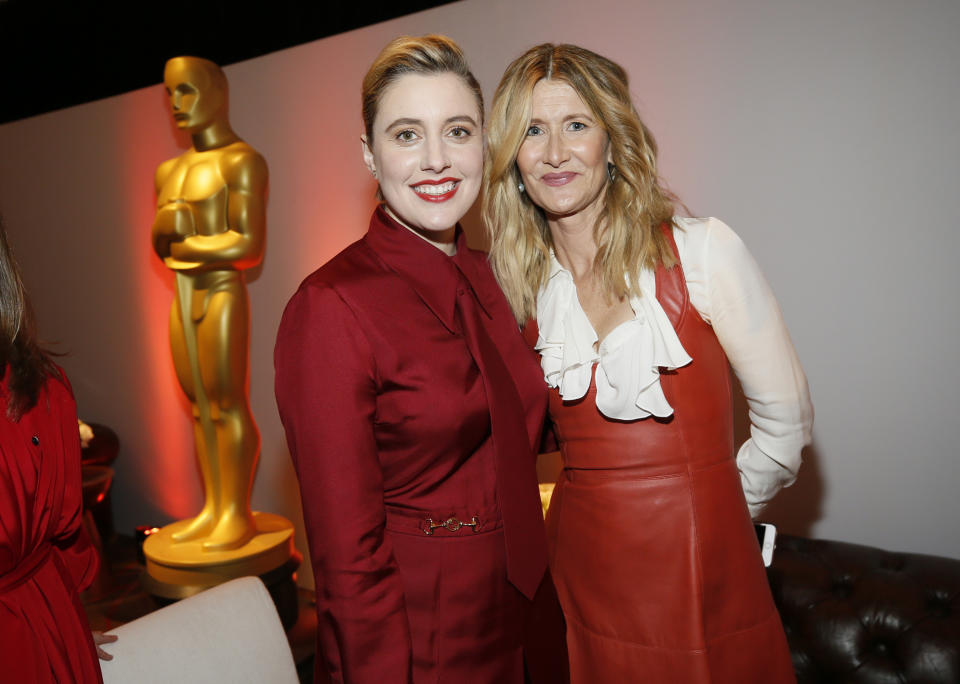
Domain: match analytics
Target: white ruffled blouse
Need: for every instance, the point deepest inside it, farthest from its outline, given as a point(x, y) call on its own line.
point(627, 360)
point(730, 293)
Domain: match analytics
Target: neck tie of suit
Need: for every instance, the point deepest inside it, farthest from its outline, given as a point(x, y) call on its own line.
point(517, 491)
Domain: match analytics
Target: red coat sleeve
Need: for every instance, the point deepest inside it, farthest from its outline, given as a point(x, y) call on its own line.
point(326, 388)
point(76, 551)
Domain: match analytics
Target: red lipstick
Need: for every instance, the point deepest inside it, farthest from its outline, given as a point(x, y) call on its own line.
point(436, 190)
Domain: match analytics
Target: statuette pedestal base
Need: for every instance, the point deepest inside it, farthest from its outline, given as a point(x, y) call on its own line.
point(176, 570)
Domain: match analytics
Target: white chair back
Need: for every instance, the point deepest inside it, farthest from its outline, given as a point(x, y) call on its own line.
point(230, 633)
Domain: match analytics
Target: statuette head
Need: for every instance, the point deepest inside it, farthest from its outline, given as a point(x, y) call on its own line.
point(197, 90)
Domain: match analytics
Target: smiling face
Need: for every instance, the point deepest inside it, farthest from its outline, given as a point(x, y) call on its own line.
point(563, 158)
point(195, 100)
point(427, 152)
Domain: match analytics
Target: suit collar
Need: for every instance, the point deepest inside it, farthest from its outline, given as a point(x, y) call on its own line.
point(473, 266)
point(434, 276)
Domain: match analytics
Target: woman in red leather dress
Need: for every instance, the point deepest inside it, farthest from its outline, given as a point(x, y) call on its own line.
point(412, 407)
point(637, 315)
point(45, 557)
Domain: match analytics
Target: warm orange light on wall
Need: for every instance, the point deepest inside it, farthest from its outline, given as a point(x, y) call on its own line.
point(167, 481)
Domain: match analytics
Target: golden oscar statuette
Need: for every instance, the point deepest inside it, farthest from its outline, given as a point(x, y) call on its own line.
point(210, 226)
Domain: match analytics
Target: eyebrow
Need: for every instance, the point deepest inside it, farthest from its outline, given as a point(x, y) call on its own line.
point(570, 117)
point(419, 122)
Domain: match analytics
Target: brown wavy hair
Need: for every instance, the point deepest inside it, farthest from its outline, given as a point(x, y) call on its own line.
point(26, 364)
point(636, 203)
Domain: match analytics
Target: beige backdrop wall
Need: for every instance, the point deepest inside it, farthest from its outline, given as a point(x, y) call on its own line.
point(823, 132)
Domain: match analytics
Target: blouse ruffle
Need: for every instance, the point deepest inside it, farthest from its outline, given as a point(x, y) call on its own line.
point(628, 360)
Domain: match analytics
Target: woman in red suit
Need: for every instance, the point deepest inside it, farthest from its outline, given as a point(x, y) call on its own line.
point(45, 557)
point(636, 314)
point(412, 406)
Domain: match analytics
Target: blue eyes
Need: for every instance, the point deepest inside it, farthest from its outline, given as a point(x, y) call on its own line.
point(575, 126)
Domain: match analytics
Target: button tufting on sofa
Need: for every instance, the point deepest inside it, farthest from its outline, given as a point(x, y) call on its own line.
point(856, 613)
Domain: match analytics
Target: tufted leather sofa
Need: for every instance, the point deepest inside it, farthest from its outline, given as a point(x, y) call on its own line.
point(858, 614)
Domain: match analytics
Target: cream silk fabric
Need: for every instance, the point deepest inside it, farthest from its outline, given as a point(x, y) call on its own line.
point(729, 292)
point(628, 359)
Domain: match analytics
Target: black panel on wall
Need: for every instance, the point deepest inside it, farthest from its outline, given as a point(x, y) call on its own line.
point(58, 53)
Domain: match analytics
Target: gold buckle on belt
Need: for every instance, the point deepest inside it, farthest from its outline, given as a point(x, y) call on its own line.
point(450, 524)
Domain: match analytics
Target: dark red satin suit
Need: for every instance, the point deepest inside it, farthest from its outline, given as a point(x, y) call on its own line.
point(45, 557)
point(652, 550)
point(388, 424)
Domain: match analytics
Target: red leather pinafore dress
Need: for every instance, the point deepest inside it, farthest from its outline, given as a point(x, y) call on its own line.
point(651, 546)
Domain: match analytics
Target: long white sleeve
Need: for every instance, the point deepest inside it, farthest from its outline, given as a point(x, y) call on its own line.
point(729, 291)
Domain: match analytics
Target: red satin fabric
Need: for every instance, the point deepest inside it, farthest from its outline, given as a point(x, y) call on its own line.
point(652, 550)
point(388, 424)
point(517, 493)
point(45, 557)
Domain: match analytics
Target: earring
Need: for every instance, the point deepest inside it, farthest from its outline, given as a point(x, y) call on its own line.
point(611, 172)
point(521, 187)
point(374, 174)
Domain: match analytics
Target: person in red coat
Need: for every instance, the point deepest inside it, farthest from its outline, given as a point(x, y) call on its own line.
point(45, 557)
point(412, 407)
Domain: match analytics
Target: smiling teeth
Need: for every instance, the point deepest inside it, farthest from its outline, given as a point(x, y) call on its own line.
point(435, 189)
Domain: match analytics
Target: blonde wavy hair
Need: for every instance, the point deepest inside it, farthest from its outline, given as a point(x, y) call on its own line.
point(635, 202)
